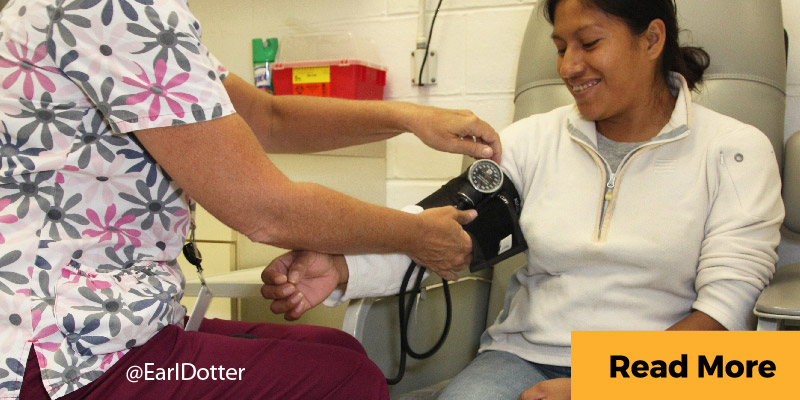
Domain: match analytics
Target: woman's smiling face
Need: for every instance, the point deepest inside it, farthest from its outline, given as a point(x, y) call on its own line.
point(608, 70)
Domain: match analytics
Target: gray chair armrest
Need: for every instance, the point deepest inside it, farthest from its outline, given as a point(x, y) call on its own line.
point(781, 299)
point(791, 183)
point(355, 318)
point(374, 322)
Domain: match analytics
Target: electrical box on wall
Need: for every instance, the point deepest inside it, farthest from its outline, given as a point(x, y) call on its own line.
point(328, 65)
point(419, 62)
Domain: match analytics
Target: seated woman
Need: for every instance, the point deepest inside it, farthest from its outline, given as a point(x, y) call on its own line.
point(642, 210)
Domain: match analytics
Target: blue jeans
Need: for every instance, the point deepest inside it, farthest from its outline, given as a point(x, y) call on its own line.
point(499, 375)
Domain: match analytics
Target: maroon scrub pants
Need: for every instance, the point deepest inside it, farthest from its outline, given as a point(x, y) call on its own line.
point(272, 361)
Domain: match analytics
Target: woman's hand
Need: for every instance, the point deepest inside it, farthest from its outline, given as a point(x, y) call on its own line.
point(553, 389)
point(300, 280)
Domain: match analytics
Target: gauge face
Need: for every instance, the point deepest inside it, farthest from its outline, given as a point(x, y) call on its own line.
point(485, 176)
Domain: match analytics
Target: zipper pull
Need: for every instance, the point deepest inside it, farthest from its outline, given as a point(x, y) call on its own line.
point(611, 180)
point(610, 186)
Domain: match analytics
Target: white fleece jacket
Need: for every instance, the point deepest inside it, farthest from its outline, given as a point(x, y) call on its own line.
point(689, 221)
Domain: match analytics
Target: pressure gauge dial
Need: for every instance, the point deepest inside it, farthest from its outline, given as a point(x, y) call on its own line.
point(485, 176)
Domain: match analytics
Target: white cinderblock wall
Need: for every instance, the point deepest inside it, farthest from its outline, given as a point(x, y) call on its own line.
point(477, 42)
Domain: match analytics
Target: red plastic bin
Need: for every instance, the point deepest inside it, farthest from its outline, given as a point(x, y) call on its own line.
point(347, 79)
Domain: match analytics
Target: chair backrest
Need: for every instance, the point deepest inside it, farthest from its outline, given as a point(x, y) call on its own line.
point(791, 184)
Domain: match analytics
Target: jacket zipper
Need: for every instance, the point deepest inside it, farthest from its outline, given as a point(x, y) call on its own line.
point(607, 196)
point(611, 183)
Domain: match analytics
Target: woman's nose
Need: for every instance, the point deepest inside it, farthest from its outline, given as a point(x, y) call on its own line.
point(570, 64)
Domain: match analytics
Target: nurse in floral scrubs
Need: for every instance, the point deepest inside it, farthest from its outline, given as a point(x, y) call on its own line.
point(113, 119)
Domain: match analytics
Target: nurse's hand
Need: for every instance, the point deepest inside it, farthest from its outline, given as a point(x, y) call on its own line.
point(454, 131)
point(300, 280)
point(553, 389)
point(443, 246)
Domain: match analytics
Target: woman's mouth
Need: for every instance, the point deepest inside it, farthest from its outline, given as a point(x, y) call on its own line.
point(584, 86)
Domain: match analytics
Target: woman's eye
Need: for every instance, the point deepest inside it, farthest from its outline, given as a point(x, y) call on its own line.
point(561, 51)
point(591, 44)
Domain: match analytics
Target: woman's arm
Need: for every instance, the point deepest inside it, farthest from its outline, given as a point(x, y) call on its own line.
point(697, 321)
point(301, 124)
point(742, 229)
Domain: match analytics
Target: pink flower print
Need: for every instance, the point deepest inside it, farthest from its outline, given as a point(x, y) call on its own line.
point(36, 317)
point(68, 273)
point(92, 283)
point(108, 359)
point(6, 219)
point(45, 332)
point(160, 90)
point(27, 66)
point(27, 291)
point(108, 230)
point(107, 54)
point(60, 176)
point(182, 224)
point(103, 179)
point(40, 335)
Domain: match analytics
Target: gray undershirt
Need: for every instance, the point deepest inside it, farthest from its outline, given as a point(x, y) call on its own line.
point(613, 152)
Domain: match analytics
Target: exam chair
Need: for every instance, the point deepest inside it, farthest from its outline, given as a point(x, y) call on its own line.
point(746, 80)
point(778, 307)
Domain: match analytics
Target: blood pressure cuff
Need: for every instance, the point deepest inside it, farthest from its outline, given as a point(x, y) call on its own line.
point(495, 232)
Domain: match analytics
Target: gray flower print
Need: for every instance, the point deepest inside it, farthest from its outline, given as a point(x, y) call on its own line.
point(68, 59)
point(60, 15)
point(200, 115)
point(122, 264)
point(58, 216)
point(161, 296)
point(96, 137)
point(3, 372)
point(78, 338)
point(107, 306)
point(12, 154)
point(31, 189)
point(107, 107)
point(46, 117)
point(41, 296)
point(10, 276)
point(17, 368)
point(108, 9)
point(166, 38)
point(72, 369)
point(155, 206)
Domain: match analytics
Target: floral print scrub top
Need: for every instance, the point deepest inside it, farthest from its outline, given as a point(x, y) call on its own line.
point(90, 225)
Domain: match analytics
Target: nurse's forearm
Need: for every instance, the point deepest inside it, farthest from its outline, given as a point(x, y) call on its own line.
point(300, 124)
point(220, 164)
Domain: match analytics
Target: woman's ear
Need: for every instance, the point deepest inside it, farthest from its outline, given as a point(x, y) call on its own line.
point(655, 35)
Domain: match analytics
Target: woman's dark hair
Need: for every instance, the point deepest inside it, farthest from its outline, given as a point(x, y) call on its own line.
point(690, 62)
